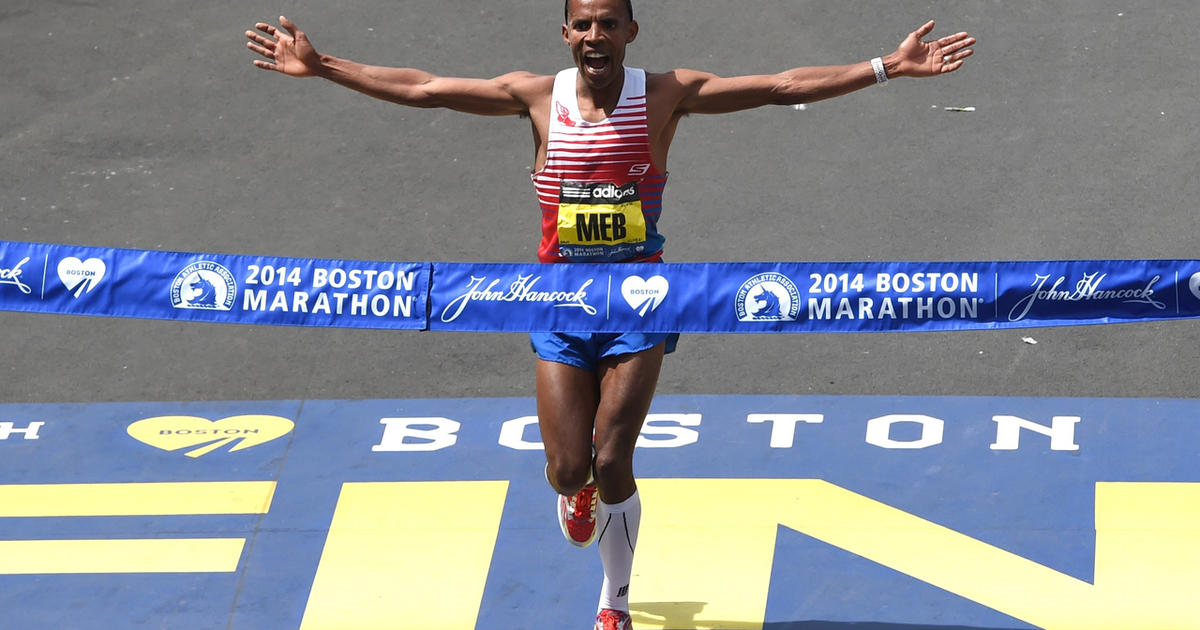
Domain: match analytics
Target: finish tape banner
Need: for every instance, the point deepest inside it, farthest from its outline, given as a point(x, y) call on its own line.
point(49, 278)
point(742, 297)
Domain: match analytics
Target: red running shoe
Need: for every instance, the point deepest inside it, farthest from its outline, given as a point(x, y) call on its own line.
point(577, 516)
point(610, 619)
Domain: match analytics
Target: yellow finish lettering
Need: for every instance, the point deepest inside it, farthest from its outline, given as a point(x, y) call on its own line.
point(151, 555)
point(400, 555)
point(405, 556)
point(1147, 554)
point(136, 499)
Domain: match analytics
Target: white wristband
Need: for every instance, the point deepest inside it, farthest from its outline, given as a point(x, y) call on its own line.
point(880, 73)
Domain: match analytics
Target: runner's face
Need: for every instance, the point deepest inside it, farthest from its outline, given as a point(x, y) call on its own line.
point(597, 32)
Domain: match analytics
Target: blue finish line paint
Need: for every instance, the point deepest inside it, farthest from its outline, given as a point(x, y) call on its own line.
point(759, 512)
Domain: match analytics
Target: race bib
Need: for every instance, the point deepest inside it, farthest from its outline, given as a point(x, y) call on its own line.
point(600, 214)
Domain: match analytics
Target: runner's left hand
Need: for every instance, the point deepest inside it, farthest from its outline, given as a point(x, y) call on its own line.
point(918, 58)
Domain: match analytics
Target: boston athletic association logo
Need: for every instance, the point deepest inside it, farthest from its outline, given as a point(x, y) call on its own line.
point(768, 297)
point(204, 285)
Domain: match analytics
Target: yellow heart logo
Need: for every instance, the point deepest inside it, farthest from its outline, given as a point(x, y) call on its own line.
point(171, 433)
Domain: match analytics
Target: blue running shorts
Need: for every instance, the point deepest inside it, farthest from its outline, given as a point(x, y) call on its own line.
point(585, 350)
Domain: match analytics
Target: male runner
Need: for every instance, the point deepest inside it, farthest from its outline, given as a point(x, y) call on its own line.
point(602, 132)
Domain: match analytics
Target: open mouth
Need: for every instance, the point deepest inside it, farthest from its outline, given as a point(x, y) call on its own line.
point(595, 63)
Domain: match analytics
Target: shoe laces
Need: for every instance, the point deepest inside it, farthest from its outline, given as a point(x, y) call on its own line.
point(610, 620)
point(581, 503)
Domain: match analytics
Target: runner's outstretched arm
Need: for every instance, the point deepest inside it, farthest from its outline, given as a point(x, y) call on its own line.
point(705, 93)
point(289, 51)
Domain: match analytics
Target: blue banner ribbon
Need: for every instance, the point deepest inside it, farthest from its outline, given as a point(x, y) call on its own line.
point(221, 288)
point(741, 297)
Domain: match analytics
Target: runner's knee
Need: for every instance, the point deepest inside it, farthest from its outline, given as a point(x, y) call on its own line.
point(569, 474)
point(614, 466)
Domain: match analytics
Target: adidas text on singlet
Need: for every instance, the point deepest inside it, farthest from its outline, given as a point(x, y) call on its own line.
point(599, 192)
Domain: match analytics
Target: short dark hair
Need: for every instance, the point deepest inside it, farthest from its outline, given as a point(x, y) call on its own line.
point(567, 6)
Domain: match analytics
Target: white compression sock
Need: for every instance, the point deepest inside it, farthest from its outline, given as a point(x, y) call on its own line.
point(618, 525)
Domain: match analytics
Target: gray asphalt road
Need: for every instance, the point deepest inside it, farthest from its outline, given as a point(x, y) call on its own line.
point(142, 124)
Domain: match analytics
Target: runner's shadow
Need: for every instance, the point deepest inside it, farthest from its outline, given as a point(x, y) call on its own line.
point(682, 615)
point(671, 615)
